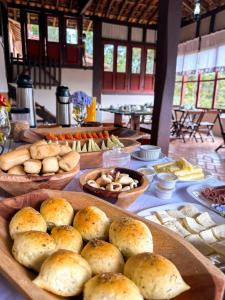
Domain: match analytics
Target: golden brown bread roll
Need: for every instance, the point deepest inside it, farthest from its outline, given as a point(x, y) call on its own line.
point(17, 170)
point(130, 236)
point(67, 237)
point(50, 165)
point(26, 219)
point(64, 149)
point(69, 161)
point(43, 151)
point(92, 223)
point(64, 273)
point(56, 212)
point(111, 286)
point(33, 147)
point(31, 248)
point(32, 166)
point(156, 276)
point(14, 158)
point(103, 257)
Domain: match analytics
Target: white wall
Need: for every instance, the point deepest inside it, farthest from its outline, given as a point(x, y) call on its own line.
point(3, 81)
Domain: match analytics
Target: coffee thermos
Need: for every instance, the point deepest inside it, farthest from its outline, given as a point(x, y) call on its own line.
point(24, 97)
point(63, 106)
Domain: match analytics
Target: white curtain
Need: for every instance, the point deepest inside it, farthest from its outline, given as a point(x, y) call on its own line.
point(187, 57)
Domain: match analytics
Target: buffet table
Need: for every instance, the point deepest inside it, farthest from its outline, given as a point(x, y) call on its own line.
point(146, 200)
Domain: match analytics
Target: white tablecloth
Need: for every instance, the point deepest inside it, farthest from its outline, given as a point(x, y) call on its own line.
point(146, 200)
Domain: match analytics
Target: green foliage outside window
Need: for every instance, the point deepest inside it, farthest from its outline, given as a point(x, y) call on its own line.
point(121, 59)
point(220, 100)
point(136, 61)
point(108, 58)
point(150, 61)
point(177, 91)
point(190, 93)
point(53, 34)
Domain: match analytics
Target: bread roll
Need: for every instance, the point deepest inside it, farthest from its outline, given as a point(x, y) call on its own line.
point(69, 161)
point(50, 165)
point(43, 151)
point(56, 212)
point(33, 148)
point(111, 286)
point(32, 166)
point(67, 237)
point(130, 236)
point(103, 257)
point(64, 273)
point(155, 276)
point(26, 219)
point(64, 149)
point(92, 223)
point(31, 248)
point(17, 170)
point(14, 158)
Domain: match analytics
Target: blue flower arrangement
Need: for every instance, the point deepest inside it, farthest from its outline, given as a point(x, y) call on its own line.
point(81, 99)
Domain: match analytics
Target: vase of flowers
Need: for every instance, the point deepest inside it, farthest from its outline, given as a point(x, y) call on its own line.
point(80, 101)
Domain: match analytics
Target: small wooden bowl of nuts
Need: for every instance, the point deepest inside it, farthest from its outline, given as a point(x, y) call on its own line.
point(118, 186)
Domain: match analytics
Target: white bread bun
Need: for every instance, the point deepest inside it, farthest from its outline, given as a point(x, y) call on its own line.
point(130, 236)
point(32, 166)
point(64, 149)
point(64, 273)
point(92, 223)
point(67, 237)
point(56, 212)
point(42, 151)
point(50, 165)
point(103, 257)
point(111, 286)
point(156, 276)
point(69, 161)
point(33, 147)
point(31, 248)
point(17, 170)
point(26, 219)
point(14, 158)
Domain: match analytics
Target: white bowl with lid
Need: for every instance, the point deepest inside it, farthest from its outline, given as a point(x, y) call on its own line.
point(149, 152)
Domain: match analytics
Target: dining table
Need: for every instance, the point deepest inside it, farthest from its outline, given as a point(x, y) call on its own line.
point(147, 200)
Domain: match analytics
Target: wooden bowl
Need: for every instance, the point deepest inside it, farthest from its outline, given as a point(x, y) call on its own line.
point(121, 199)
point(22, 184)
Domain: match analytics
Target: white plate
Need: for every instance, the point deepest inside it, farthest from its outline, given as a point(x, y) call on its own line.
point(216, 218)
point(195, 192)
point(136, 156)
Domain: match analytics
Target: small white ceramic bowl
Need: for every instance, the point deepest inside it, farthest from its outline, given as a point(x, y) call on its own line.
point(149, 172)
point(163, 193)
point(149, 152)
point(167, 180)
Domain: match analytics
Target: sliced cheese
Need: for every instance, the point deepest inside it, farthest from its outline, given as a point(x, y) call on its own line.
point(78, 148)
point(208, 236)
point(171, 225)
point(74, 146)
point(181, 229)
point(202, 246)
point(219, 231)
point(175, 213)
point(110, 144)
point(153, 218)
point(192, 226)
point(90, 145)
point(189, 210)
point(189, 177)
point(103, 147)
point(184, 172)
point(84, 149)
point(205, 220)
point(219, 247)
point(163, 216)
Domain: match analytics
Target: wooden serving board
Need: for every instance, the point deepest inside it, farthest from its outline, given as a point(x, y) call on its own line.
point(206, 281)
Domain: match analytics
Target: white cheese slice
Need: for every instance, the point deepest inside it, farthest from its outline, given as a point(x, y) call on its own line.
point(153, 218)
point(219, 231)
point(197, 242)
point(205, 220)
point(208, 236)
point(171, 225)
point(163, 216)
point(175, 213)
point(219, 247)
point(189, 210)
point(192, 226)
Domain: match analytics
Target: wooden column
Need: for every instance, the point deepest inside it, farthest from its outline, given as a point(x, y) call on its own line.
point(5, 31)
point(98, 59)
point(166, 53)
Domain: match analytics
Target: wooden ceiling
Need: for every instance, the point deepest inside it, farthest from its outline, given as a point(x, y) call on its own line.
point(134, 11)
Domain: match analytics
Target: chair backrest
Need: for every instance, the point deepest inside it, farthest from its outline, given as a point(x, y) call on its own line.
point(195, 117)
point(221, 117)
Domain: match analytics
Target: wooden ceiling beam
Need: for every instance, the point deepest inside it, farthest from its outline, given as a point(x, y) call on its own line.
point(84, 7)
point(132, 10)
point(152, 15)
point(109, 8)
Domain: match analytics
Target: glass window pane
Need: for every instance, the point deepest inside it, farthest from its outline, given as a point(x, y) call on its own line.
point(177, 93)
point(53, 29)
point(208, 76)
point(150, 61)
point(33, 26)
point(191, 77)
point(88, 40)
point(206, 94)
point(121, 59)
point(108, 58)
point(190, 93)
point(136, 61)
point(220, 99)
point(179, 77)
point(221, 74)
point(71, 31)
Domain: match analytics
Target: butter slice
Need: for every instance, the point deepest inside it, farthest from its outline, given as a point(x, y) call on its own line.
point(205, 220)
point(192, 226)
point(208, 236)
point(163, 216)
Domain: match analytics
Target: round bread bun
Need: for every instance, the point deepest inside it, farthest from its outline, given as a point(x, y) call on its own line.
point(67, 237)
point(113, 286)
point(92, 223)
point(130, 236)
point(103, 257)
point(156, 276)
point(31, 248)
point(56, 212)
point(64, 273)
point(26, 219)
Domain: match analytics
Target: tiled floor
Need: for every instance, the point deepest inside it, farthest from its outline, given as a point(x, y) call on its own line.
point(202, 154)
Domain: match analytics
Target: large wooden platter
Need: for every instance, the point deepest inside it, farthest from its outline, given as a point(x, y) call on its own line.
point(206, 281)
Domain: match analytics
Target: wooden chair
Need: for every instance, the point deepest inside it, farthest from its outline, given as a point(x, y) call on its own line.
point(207, 126)
point(221, 118)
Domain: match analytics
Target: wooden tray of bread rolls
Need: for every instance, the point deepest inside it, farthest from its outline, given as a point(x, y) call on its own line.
point(205, 280)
